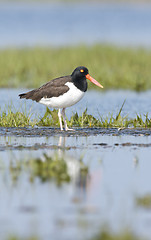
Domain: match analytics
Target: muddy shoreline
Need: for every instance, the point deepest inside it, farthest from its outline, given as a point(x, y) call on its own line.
point(47, 131)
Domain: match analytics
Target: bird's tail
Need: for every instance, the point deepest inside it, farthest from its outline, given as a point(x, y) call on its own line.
point(28, 95)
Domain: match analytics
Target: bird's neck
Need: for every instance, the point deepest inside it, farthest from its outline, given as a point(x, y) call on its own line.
point(80, 83)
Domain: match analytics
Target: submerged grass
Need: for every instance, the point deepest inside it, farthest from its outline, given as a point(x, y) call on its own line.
point(11, 118)
point(113, 67)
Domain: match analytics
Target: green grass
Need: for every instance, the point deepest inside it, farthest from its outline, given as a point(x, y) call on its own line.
point(113, 67)
point(12, 118)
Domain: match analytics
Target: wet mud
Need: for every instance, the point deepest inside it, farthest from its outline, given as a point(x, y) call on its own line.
point(47, 131)
point(38, 133)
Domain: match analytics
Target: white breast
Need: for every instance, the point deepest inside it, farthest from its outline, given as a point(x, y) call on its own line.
point(72, 96)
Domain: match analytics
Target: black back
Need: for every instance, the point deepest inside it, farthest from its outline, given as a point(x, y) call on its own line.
point(57, 87)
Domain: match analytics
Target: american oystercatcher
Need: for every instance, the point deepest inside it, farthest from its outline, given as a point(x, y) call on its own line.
point(62, 92)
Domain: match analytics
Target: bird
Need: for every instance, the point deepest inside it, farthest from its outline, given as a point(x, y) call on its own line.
point(62, 92)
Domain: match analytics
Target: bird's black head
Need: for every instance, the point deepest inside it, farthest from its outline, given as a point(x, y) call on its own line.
point(79, 78)
point(80, 72)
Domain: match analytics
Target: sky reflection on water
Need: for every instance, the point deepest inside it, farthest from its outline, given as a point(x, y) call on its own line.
point(107, 195)
point(23, 24)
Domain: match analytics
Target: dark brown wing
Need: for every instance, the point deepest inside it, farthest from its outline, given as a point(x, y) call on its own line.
point(53, 88)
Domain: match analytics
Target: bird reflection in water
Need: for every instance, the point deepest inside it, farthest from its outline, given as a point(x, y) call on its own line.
point(77, 170)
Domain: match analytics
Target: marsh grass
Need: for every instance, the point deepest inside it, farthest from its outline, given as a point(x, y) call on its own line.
point(113, 67)
point(50, 118)
point(9, 117)
point(23, 118)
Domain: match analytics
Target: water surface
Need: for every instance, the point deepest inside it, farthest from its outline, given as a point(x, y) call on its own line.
point(118, 165)
point(78, 209)
point(24, 24)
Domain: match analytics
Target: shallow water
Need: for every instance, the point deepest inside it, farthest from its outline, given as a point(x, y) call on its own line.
point(23, 24)
point(118, 171)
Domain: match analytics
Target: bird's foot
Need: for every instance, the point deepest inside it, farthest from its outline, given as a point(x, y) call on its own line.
point(69, 129)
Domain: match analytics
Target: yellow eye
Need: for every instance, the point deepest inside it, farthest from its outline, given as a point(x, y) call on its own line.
point(81, 70)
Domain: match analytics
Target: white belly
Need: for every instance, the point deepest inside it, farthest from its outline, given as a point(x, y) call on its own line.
point(71, 97)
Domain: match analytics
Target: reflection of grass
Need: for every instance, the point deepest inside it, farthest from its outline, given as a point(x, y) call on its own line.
point(104, 235)
point(18, 238)
point(144, 201)
point(112, 66)
point(10, 118)
point(108, 235)
point(48, 168)
point(52, 168)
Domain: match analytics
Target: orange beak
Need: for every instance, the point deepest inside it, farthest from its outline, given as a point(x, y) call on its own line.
point(93, 81)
